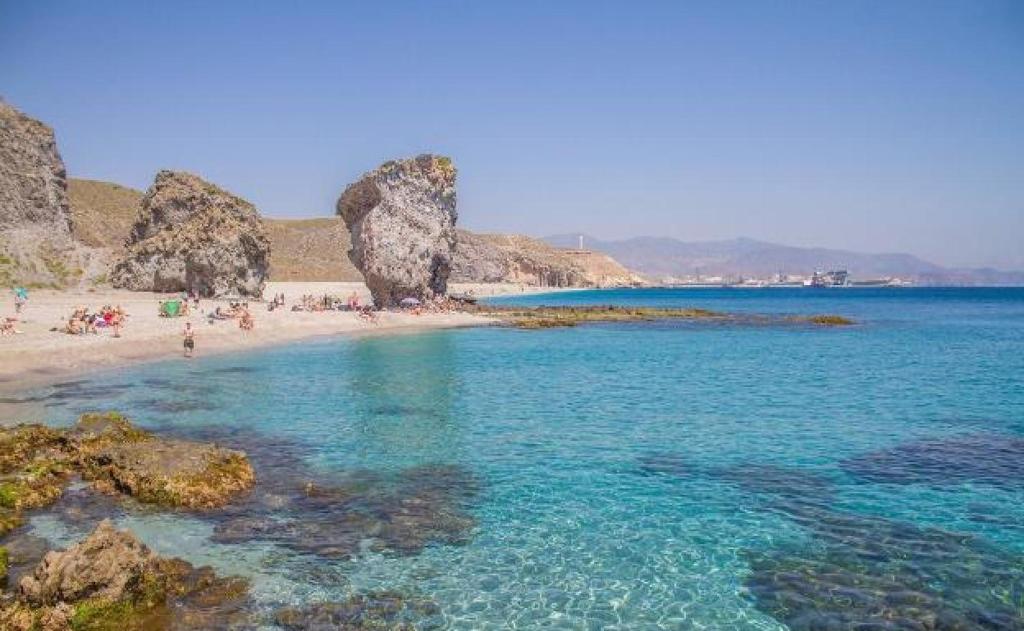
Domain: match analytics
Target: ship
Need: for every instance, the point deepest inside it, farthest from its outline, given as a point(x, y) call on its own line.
point(831, 278)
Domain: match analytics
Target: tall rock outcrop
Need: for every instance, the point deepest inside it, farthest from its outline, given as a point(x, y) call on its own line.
point(36, 247)
point(192, 235)
point(402, 220)
point(33, 182)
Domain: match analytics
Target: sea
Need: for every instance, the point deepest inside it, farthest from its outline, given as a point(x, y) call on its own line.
point(750, 473)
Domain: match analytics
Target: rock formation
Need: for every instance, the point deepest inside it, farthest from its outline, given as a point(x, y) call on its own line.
point(111, 580)
point(36, 247)
point(402, 220)
point(192, 235)
point(33, 183)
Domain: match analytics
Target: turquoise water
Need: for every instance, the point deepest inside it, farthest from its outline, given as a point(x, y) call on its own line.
point(658, 475)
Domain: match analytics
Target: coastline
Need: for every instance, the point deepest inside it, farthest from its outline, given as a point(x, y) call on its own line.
point(38, 356)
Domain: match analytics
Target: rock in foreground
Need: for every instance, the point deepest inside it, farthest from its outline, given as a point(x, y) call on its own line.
point(112, 581)
point(192, 235)
point(402, 220)
point(119, 458)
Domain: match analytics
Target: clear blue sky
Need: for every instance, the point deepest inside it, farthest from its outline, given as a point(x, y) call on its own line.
point(877, 126)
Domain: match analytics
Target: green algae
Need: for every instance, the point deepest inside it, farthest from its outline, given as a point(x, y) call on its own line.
point(552, 317)
point(4, 561)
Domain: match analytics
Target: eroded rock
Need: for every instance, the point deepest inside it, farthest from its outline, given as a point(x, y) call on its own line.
point(192, 235)
point(402, 220)
point(112, 581)
point(33, 181)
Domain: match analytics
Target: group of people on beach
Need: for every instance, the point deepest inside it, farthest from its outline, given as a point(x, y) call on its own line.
point(83, 321)
point(8, 326)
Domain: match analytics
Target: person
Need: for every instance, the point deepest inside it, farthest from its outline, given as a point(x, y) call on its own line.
point(190, 339)
point(20, 298)
point(115, 322)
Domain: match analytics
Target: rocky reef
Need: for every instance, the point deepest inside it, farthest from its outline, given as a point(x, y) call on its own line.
point(37, 463)
point(193, 235)
point(112, 581)
point(374, 610)
point(401, 217)
point(119, 458)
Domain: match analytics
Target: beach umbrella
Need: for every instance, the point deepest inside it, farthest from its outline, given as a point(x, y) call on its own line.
point(409, 302)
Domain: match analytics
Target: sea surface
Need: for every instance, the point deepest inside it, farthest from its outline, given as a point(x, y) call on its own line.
point(656, 475)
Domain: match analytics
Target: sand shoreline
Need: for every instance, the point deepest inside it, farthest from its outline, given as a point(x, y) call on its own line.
point(39, 356)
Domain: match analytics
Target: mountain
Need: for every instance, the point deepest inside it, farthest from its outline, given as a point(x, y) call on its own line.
point(660, 258)
point(317, 249)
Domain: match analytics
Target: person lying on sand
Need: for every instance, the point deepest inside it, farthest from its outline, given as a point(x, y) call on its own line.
point(7, 327)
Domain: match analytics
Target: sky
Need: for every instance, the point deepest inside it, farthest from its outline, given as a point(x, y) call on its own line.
point(877, 126)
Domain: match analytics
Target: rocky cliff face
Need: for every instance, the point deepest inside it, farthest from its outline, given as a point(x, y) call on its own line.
point(192, 235)
point(401, 217)
point(33, 184)
point(499, 258)
point(36, 247)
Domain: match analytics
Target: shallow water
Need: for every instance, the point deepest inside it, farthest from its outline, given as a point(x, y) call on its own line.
point(635, 476)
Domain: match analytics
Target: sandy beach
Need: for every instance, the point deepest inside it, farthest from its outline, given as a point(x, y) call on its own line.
point(38, 354)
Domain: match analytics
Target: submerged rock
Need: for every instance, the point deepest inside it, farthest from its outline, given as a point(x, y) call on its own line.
point(112, 581)
point(373, 611)
point(192, 235)
point(866, 572)
point(402, 220)
point(399, 514)
point(982, 458)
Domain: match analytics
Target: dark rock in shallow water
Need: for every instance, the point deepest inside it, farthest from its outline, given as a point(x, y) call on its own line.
point(372, 611)
point(982, 458)
point(399, 514)
point(865, 572)
point(666, 463)
point(780, 482)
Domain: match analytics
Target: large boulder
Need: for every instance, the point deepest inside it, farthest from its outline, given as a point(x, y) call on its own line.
point(33, 182)
point(111, 580)
point(108, 564)
point(402, 220)
point(192, 235)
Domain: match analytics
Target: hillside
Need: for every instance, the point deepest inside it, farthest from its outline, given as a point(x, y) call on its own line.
point(310, 249)
point(102, 213)
point(660, 258)
point(317, 249)
point(521, 259)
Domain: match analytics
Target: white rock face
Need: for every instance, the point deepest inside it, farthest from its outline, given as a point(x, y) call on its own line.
point(402, 220)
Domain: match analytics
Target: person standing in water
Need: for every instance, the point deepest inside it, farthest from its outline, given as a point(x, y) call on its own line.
point(190, 339)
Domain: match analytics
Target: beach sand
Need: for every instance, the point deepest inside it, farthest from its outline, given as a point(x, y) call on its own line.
point(38, 355)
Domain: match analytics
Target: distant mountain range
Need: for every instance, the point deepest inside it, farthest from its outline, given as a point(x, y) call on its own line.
point(659, 258)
